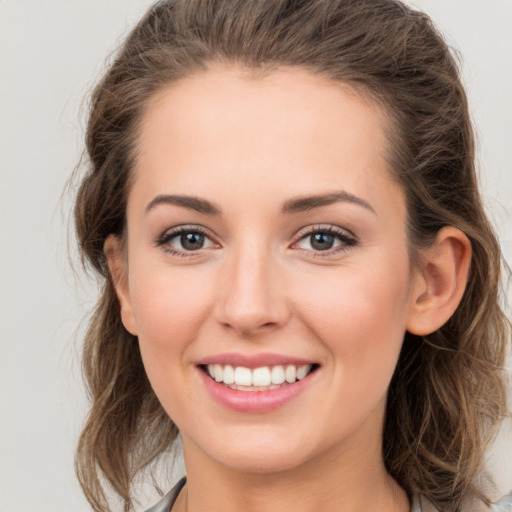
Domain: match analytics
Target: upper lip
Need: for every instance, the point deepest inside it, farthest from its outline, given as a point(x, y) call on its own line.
point(254, 360)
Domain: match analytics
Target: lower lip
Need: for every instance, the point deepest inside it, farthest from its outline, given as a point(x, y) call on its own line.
point(254, 401)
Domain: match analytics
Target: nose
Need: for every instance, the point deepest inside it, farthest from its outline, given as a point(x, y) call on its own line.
point(251, 297)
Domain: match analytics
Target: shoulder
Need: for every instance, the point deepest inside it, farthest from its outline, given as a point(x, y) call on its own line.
point(421, 504)
point(166, 503)
point(503, 505)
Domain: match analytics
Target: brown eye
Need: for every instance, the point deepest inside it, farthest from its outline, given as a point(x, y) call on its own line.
point(192, 241)
point(329, 240)
point(181, 241)
point(322, 241)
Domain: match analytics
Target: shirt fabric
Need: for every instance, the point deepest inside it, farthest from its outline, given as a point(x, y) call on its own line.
point(418, 504)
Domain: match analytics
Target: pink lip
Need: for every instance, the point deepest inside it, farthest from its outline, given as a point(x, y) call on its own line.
point(254, 401)
point(253, 361)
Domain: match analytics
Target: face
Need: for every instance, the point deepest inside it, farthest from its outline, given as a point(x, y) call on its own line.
point(267, 274)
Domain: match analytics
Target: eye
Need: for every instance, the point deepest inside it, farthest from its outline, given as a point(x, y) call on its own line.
point(326, 239)
point(322, 241)
point(191, 241)
point(182, 240)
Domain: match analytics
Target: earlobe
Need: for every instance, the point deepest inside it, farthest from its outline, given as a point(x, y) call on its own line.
point(119, 274)
point(440, 283)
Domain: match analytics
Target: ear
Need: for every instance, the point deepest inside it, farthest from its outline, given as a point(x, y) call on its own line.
point(440, 282)
point(117, 266)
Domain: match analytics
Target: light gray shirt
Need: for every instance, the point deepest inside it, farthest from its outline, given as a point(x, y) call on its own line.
point(418, 504)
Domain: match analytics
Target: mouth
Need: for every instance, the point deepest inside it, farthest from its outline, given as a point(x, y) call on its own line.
point(264, 378)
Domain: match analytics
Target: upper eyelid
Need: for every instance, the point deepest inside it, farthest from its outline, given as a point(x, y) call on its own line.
point(176, 230)
point(301, 232)
point(324, 227)
point(170, 233)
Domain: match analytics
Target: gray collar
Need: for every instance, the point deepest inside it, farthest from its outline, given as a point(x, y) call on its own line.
point(419, 503)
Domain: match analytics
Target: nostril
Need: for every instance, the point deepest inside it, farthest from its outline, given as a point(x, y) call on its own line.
point(251, 301)
point(248, 326)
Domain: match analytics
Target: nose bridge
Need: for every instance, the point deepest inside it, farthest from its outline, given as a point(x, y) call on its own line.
point(251, 297)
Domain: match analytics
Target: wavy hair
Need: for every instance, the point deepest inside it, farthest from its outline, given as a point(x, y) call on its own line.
point(448, 393)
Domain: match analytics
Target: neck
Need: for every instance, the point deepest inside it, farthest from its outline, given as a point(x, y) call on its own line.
point(339, 480)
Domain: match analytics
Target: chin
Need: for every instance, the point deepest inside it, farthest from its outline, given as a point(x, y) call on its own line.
point(260, 452)
point(261, 462)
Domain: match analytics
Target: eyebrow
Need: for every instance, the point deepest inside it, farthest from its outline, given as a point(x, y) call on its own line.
point(190, 202)
point(305, 203)
point(294, 205)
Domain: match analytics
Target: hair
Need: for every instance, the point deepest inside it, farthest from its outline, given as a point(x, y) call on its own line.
point(448, 393)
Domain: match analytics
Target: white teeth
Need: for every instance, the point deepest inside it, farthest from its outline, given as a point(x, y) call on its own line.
point(277, 375)
point(290, 374)
point(302, 371)
point(253, 388)
point(259, 379)
point(243, 376)
point(229, 375)
point(217, 368)
point(246, 388)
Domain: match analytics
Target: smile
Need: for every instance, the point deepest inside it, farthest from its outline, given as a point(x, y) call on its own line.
point(247, 385)
point(264, 378)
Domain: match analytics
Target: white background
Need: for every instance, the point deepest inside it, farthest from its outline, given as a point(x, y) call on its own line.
point(52, 51)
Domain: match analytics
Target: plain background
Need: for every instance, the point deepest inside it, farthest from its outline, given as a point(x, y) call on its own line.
point(52, 52)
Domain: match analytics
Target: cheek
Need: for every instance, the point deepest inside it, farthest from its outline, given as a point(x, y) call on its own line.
point(170, 308)
point(355, 302)
point(360, 317)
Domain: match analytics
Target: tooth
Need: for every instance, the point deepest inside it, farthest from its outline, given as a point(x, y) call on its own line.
point(217, 368)
point(261, 376)
point(243, 376)
point(229, 375)
point(303, 370)
point(290, 374)
point(247, 388)
point(277, 375)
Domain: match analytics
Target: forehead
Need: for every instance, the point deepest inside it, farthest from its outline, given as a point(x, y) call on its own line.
point(286, 130)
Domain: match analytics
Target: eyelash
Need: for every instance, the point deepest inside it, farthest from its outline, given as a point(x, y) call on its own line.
point(347, 240)
point(167, 236)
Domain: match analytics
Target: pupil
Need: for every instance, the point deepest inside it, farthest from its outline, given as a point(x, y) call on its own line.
point(192, 241)
point(322, 241)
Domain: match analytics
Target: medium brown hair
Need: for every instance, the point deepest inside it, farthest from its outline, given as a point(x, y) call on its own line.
point(447, 395)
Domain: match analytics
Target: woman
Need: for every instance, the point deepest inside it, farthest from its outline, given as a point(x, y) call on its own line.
point(299, 275)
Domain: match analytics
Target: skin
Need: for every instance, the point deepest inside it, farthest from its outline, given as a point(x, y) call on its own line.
point(248, 145)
